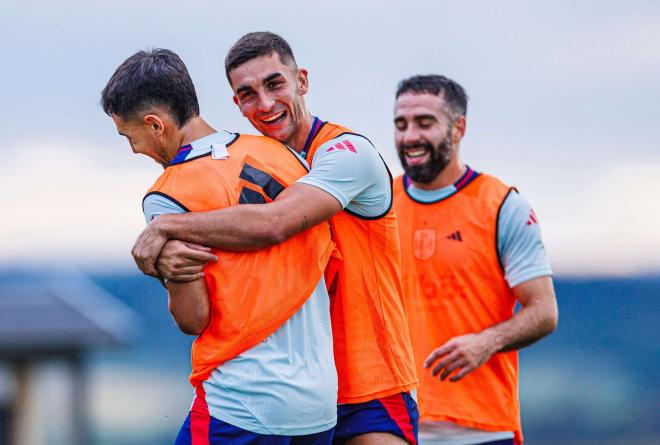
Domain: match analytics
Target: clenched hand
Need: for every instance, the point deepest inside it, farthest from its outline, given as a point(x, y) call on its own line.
point(147, 248)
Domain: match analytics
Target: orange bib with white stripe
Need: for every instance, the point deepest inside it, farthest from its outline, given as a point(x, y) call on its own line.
point(373, 352)
point(251, 293)
point(454, 285)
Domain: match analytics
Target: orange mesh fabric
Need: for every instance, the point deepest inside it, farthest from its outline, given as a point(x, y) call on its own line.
point(373, 352)
point(251, 293)
point(454, 285)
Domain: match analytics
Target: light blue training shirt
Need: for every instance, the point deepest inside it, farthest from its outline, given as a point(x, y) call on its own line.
point(357, 177)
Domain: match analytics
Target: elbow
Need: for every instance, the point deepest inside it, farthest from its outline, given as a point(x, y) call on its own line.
point(277, 236)
point(554, 322)
point(192, 327)
point(190, 323)
point(550, 321)
point(189, 329)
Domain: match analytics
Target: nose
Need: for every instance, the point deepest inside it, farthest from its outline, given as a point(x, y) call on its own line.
point(265, 102)
point(410, 135)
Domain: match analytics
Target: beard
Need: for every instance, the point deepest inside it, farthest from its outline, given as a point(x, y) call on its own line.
point(426, 173)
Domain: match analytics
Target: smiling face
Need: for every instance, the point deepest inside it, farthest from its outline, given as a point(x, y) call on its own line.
point(270, 94)
point(424, 135)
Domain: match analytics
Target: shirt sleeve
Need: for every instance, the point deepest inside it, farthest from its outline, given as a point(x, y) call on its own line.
point(519, 242)
point(156, 204)
point(350, 169)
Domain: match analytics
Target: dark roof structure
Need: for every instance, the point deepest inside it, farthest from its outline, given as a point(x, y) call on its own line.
point(61, 313)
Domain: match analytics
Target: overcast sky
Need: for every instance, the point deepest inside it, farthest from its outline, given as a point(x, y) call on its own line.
point(563, 105)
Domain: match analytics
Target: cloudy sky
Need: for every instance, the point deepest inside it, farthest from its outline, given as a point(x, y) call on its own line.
point(563, 105)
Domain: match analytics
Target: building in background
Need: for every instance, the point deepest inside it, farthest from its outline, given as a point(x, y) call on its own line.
point(47, 325)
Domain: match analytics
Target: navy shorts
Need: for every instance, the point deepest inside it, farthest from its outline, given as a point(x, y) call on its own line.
point(396, 414)
point(205, 430)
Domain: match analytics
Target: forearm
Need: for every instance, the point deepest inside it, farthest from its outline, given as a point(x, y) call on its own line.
point(253, 226)
point(238, 228)
point(189, 305)
point(528, 325)
point(524, 328)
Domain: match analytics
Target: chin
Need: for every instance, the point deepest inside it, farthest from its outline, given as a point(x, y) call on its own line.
point(281, 135)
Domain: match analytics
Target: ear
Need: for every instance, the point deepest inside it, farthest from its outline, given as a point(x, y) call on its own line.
point(154, 123)
point(303, 81)
point(238, 104)
point(458, 130)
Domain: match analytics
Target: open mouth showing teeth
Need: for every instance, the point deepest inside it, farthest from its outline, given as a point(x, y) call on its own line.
point(415, 152)
point(275, 118)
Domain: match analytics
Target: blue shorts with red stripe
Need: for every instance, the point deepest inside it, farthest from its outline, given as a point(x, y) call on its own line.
point(396, 414)
point(211, 431)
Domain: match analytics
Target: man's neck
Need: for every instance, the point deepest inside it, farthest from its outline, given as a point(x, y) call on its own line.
point(298, 139)
point(448, 176)
point(195, 128)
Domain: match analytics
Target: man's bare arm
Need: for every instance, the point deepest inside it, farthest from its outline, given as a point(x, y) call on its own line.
point(536, 319)
point(189, 305)
point(239, 228)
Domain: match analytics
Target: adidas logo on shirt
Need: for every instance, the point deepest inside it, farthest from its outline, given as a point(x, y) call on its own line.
point(343, 145)
point(532, 218)
point(456, 236)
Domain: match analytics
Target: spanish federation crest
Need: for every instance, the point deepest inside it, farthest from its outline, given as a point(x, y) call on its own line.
point(424, 243)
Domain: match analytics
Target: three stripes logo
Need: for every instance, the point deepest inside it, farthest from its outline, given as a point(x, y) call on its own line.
point(456, 236)
point(532, 219)
point(343, 145)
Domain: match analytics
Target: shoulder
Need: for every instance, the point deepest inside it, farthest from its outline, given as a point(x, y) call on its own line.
point(260, 147)
point(350, 137)
point(352, 147)
point(494, 182)
point(515, 207)
point(350, 155)
point(489, 190)
point(157, 203)
point(253, 138)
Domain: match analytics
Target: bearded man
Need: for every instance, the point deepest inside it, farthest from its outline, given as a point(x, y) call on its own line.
point(471, 250)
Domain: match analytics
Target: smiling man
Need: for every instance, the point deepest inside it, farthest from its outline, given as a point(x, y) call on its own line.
point(262, 364)
point(348, 184)
point(471, 248)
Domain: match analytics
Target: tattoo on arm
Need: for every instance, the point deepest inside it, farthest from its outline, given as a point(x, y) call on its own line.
point(304, 224)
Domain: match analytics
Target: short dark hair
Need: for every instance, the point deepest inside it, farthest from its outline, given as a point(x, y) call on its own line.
point(453, 94)
point(257, 44)
point(151, 79)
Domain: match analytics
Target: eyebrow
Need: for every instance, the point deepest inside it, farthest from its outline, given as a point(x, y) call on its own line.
point(419, 117)
point(270, 77)
point(243, 88)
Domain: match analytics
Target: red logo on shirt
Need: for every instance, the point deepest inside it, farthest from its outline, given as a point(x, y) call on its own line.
point(532, 218)
point(424, 243)
point(343, 145)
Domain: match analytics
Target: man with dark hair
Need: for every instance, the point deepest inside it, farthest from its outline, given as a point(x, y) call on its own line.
point(262, 364)
point(471, 248)
point(348, 184)
point(162, 82)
